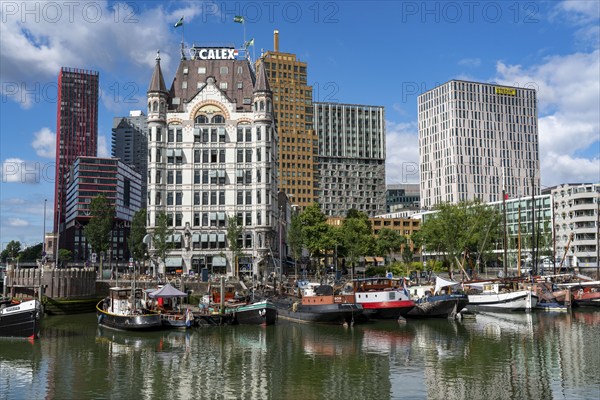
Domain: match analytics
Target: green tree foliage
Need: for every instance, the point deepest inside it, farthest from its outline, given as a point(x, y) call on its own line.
point(455, 228)
point(64, 256)
point(98, 229)
point(12, 250)
point(234, 232)
point(388, 241)
point(356, 236)
point(32, 253)
point(316, 233)
point(161, 236)
point(135, 242)
point(295, 240)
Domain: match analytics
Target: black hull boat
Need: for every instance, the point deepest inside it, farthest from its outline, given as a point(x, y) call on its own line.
point(258, 313)
point(123, 311)
point(319, 314)
point(443, 306)
point(21, 320)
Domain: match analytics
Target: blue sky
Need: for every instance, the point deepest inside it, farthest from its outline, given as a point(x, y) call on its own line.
point(381, 53)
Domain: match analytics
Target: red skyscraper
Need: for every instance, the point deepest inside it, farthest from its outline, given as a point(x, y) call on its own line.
point(76, 128)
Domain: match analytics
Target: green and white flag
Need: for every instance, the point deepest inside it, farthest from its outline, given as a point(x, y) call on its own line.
point(179, 23)
point(239, 19)
point(249, 43)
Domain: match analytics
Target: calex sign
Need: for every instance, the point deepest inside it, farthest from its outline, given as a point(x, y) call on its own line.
point(199, 53)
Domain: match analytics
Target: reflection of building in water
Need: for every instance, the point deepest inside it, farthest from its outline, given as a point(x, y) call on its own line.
point(515, 356)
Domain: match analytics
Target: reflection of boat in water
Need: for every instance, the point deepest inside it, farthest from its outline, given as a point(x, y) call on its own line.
point(122, 310)
point(551, 306)
point(318, 305)
point(496, 324)
point(20, 320)
point(258, 313)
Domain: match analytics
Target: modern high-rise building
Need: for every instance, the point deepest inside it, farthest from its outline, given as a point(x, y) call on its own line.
point(401, 197)
point(76, 129)
point(293, 112)
point(212, 148)
point(90, 177)
point(130, 144)
point(476, 139)
point(351, 158)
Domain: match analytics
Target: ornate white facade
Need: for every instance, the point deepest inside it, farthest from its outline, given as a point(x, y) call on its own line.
point(209, 159)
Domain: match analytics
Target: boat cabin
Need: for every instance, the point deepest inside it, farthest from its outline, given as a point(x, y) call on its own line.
point(120, 300)
point(377, 284)
point(316, 294)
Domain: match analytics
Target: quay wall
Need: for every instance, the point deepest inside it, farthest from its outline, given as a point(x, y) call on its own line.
point(65, 283)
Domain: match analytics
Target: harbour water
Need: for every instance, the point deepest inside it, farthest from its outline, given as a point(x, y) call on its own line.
point(495, 356)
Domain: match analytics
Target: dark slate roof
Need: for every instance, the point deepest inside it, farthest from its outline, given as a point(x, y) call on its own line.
point(157, 83)
point(262, 82)
point(238, 71)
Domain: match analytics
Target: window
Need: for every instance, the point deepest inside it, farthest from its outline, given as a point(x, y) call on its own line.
point(218, 119)
point(178, 178)
point(240, 197)
point(223, 85)
point(222, 198)
point(197, 173)
point(204, 198)
point(196, 198)
point(169, 177)
point(258, 197)
point(169, 198)
point(240, 85)
point(240, 155)
point(258, 218)
point(201, 70)
point(158, 135)
point(170, 135)
point(178, 219)
point(184, 85)
point(178, 198)
point(179, 135)
point(221, 156)
point(248, 155)
point(224, 70)
point(248, 219)
point(196, 219)
point(196, 156)
point(201, 119)
point(248, 197)
point(258, 155)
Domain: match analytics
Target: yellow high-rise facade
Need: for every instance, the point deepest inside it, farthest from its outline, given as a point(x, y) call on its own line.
point(293, 112)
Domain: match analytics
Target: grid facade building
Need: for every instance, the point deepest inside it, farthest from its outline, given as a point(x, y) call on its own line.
point(476, 139)
point(130, 144)
point(76, 129)
point(576, 222)
point(293, 112)
point(121, 184)
point(351, 158)
point(212, 156)
point(402, 197)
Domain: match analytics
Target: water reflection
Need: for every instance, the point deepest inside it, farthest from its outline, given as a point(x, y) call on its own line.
point(536, 355)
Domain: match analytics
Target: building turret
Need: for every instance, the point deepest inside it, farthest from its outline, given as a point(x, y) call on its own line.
point(262, 95)
point(157, 94)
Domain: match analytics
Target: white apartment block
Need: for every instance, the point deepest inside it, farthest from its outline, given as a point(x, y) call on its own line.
point(212, 154)
point(576, 221)
point(476, 139)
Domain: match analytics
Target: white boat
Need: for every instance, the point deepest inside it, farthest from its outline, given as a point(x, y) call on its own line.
point(20, 319)
point(492, 296)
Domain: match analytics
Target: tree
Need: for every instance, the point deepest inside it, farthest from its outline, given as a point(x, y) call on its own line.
point(454, 229)
point(295, 240)
point(234, 231)
point(136, 244)
point(357, 237)
point(98, 229)
point(12, 250)
point(316, 233)
point(162, 235)
point(64, 256)
point(31, 253)
point(389, 241)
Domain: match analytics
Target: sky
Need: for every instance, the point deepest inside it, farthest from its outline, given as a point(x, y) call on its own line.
point(375, 53)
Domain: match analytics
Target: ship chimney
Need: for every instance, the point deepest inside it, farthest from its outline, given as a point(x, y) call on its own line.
point(276, 41)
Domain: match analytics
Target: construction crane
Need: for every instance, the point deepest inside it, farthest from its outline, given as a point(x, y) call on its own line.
point(566, 250)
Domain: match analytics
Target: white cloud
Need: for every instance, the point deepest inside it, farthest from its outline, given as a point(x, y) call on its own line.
point(103, 149)
point(402, 153)
point(16, 170)
point(568, 92)
point(17, 222)
point(112, 37)
point(578, 11)
point(44, 143)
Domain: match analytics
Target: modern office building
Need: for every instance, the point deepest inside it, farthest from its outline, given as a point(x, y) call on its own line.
point(476, 139)
point(76, 129)
point(402, 197)
point(213, 156)
point(351, 158)
point(293, 112)
point(121, 184)
point(576, 225)
point(130, 144)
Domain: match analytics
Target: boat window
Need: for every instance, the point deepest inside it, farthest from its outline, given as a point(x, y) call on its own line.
point(392, 296)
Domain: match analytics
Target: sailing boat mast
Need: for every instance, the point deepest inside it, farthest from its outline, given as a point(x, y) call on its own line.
point(519, 243)
point(534, 257)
